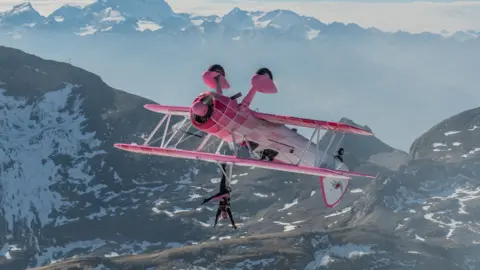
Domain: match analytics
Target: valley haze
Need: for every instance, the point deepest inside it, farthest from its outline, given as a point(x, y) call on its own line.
point(333, 70)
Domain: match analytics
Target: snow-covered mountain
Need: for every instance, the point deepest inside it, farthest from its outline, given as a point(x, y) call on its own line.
point(65, 192)
point(105, 17)
point(21, 15)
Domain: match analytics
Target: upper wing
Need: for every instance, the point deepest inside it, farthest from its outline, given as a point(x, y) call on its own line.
point(170, 152)
point(173, 110)
point(310, 123)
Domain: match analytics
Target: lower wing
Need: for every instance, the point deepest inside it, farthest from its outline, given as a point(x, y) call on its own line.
point(209, 157)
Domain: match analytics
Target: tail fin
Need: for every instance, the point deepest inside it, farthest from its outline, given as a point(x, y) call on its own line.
point(333, 190)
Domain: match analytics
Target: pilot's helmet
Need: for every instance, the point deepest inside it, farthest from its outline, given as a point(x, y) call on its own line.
point(340, 151)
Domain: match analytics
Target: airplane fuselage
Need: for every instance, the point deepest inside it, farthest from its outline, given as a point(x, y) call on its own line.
point(230, 121)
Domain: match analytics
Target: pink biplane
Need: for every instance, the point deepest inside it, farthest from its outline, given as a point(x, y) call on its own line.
point(269, 143)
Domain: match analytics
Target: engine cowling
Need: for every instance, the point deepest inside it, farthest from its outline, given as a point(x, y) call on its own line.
point(212, 112)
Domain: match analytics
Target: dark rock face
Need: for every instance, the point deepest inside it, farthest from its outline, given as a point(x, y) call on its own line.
point(66, 192)
point(62, 181)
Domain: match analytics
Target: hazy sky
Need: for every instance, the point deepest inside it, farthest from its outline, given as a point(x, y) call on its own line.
point(389, 15)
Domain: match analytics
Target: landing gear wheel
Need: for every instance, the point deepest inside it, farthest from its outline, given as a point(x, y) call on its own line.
point(265, 71)
point(217, 68)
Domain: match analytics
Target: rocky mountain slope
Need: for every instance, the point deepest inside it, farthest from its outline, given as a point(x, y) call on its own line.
point(453, 140)
point(66, 192)
point(60, 176)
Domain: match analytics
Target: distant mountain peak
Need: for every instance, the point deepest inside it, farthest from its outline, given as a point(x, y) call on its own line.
point(25, 7)
point(22, 14)
point(155, 10)
point(353, 123)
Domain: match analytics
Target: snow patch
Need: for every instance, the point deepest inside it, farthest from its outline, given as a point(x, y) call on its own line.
point(341, 212)
point(357, 190)
point(325, 256)
point(260, 195)
point(438, 144)
point(451, 133)
point(262, 24)
point(87, 30)
point(147, 25)
point(111, 254)
point(288, 226)
point(193, 196)
point(106, 29)
point(39, 132)
point(5, 251)
point(113, 16)
point(59, 18)
point(456, 143)
point(471, 152)
point(452, 225)
point(177, 210)
point(419, 238)
point(288, 205)
point(311, 34)
point(197, 22)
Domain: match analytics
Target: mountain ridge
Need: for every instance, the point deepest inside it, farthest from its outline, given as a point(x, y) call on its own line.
point(119, 16)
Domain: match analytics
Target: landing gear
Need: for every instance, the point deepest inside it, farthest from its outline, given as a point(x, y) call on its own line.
point(265, 71)
point(217, 68)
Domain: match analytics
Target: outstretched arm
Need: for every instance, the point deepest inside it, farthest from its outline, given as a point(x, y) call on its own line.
point(231, 218)
point(223, 194)
point(217, 216)
point(208, 199)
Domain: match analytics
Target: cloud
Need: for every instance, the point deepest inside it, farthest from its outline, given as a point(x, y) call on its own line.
point(387, 15)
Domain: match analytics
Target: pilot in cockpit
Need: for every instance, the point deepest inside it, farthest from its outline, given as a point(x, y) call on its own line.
point(339, 155)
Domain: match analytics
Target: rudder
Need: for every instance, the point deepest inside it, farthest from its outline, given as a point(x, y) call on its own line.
point(333, 190)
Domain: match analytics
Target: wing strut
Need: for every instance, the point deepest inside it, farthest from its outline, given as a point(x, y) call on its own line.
point(165, 130)
point(308, 145)
point(326, 150)
point(176, 131)
point(155, 129)
point(203, 143)
point(318, 149)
